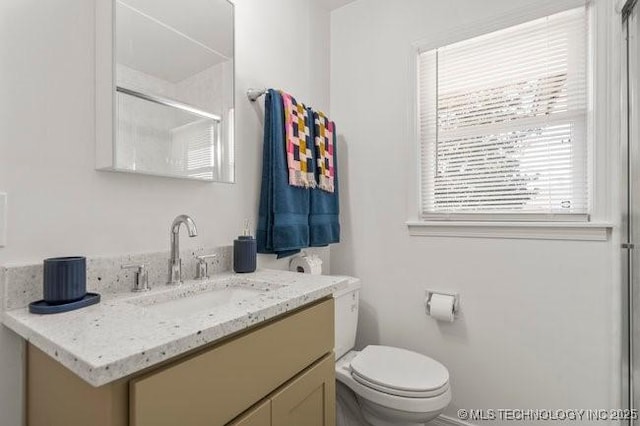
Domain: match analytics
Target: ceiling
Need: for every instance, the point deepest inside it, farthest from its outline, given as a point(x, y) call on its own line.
point(334, 4)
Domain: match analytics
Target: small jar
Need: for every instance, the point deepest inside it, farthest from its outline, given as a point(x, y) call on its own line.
point(64, 279)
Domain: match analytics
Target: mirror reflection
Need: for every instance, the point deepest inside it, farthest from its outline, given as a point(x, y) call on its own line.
point(174, 88)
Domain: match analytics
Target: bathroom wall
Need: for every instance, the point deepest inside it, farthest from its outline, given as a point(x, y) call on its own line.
point(59, 205)
point(539, 325)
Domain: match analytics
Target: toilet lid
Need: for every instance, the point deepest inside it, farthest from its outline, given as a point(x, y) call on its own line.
point(394, 369)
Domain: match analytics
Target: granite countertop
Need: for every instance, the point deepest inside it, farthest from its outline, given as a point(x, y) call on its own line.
point(124, 333)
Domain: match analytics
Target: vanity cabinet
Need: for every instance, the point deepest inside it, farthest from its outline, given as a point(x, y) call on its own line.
point(308, 400)
point(279, 373)
point(258, 416)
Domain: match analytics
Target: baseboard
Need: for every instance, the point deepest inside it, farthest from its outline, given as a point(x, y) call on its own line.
point(448, 421)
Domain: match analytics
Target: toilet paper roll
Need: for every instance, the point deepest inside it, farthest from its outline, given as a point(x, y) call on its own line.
point(441, 307)
point(306, 265)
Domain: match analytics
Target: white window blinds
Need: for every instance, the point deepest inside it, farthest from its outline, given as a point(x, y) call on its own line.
point(503, 120)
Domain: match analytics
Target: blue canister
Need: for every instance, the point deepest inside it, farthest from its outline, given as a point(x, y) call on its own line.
point(64, 279)
point(244, 251)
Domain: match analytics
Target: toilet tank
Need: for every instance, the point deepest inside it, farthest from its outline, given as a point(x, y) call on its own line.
point(346, 317)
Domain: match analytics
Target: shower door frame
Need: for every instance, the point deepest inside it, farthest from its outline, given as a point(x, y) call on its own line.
point(632, 150)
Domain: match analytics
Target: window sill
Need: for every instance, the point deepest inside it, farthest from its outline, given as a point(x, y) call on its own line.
point(576, 231)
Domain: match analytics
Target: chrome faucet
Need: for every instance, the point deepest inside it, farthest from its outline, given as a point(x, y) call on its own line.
point(175, 263)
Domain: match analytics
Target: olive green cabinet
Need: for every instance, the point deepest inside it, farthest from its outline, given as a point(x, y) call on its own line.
point(257, 416)
point(308, 399)
point(278, 373)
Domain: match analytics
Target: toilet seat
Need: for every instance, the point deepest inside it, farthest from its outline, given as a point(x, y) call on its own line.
point(400, 372)
point(398, 392)
point(344, 373)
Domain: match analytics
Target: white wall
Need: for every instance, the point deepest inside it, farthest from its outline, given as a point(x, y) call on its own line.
point(59, 205)
point(540, 319)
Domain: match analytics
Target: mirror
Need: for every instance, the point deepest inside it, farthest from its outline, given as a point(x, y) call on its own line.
point(173, 89)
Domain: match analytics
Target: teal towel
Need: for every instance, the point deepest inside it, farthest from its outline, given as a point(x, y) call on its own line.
point(283, 216)
point(324, 216)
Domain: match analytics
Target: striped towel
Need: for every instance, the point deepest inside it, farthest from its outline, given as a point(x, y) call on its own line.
point(324, 151)
point(299, 143)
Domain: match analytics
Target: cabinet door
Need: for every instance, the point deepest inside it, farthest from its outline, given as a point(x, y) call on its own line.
point(258, 416)
point(310, 399)
point(216, 385)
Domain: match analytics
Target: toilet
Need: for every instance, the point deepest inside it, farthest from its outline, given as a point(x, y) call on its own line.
point(393, 386)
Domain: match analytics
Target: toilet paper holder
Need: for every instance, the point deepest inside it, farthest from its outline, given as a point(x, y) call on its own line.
point(430, 293)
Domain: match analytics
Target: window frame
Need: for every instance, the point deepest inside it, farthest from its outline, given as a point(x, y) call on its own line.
point(595, 225)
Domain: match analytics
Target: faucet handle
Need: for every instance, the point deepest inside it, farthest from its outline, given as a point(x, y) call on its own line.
point(142, 277)
point(202, 271)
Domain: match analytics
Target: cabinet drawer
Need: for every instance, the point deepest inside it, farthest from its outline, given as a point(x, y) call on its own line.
point(213, 387)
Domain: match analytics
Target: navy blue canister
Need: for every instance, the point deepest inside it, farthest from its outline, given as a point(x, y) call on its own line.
point(244, 254)
point(65, 279)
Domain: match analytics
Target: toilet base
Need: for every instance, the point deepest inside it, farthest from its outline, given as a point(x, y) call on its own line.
point(377, 415)
point(348, 411)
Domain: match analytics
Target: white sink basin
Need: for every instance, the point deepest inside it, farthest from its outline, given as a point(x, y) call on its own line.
point(197, 298)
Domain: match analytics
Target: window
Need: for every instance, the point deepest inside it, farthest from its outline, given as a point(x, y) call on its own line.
point(195, 143)
point(503, 123)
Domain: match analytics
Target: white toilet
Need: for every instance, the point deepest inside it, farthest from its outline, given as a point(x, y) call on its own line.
point(393, 386)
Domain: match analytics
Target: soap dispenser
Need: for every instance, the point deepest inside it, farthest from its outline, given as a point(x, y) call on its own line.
point(244, 251)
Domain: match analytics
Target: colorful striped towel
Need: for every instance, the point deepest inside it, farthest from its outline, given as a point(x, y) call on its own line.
point(299, 143)
point(324, 129)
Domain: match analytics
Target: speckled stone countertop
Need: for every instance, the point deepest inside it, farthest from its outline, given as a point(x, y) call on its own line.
point(124, 333)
